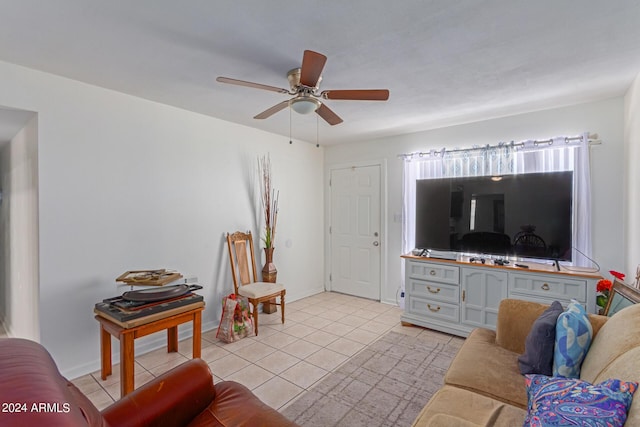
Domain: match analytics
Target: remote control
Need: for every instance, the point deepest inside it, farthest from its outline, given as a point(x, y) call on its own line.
point(521, 265)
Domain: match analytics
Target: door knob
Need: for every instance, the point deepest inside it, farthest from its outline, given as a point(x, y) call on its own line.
point(375, 243)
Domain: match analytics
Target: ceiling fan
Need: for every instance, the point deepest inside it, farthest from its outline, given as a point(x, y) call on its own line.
point(304, 83)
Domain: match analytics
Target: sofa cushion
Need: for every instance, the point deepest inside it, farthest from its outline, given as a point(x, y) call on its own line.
point(30, 379)
point(573, 338)
point(540, 343)
point(562, 401)
point(455, 407)
point(448, 420)
point(615, 352)
point(515, 318)
point(162, 400)
point(484, 367)
point(626, 367)
point(618, 336)
point(236, 406)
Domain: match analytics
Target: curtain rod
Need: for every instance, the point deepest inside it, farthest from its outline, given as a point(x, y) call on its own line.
point(593, 140)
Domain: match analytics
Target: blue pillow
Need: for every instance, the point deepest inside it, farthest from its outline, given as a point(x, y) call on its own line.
point(573, 338)
point(557, 401)
point(540, 343)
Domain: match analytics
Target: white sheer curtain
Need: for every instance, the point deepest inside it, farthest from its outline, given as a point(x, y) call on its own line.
point(505, 159)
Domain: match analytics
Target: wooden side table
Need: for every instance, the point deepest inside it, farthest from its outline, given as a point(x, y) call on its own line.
point(127, 335)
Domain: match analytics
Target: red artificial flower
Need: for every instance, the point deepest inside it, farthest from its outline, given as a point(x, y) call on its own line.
point(617, 275)
point(603, 285)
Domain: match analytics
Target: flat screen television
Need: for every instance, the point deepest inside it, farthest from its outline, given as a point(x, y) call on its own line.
point(524, 215)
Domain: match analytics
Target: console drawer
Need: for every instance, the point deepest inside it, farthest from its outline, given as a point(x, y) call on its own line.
point(433, 290)
point(434, 309)
point(548, 301)
point(549, 287)
point(434, 272)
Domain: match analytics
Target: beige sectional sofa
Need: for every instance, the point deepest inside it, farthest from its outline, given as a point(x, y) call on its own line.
point(484, 387)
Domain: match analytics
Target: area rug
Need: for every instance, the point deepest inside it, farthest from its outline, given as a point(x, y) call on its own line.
point(386, 384)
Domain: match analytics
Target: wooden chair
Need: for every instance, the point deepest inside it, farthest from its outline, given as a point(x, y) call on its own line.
point(246, 285)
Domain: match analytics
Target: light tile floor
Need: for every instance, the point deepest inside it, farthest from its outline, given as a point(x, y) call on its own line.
point(321, 332)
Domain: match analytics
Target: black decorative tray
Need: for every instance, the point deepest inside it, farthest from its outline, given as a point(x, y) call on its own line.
point(160, 293)
point(112, 310)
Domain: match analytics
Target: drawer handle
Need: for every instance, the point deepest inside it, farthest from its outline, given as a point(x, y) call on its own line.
point(432, 272)
point(432, 291)
point(435, 310)
point(545, 287)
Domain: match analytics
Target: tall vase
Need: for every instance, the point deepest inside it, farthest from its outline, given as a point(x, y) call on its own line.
point(269, 274)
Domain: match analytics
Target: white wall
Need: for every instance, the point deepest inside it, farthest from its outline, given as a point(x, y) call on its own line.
point(19, 233)
point(632, 166)
point(604, 118)
point(126, 183)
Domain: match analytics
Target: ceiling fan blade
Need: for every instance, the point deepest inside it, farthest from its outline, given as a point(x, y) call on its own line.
point(251, 84)
point(311, 70)
point(271, 111)
point(357, 95)
point(328, 115)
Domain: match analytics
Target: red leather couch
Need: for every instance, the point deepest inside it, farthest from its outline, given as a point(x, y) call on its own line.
point(33, 393)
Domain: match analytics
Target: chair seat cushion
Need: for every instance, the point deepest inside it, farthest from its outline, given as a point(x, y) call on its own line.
point(260, 289)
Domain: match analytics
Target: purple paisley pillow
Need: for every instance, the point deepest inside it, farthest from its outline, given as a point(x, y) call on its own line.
point(559, 401)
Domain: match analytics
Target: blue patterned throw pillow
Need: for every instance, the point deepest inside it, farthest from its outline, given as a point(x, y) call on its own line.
point(557, 401)
point(573, 338)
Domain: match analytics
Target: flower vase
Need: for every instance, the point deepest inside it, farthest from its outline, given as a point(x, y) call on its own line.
point(269, 274)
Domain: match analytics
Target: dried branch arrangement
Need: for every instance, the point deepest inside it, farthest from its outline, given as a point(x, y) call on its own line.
point(269, 198)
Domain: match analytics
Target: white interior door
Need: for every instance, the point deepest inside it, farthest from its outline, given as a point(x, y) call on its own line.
point(355, 231)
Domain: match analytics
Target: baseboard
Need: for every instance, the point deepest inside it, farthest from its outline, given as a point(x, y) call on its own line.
point(295, 297)
point(390, 302)
point(159, 340)
point(144, 346)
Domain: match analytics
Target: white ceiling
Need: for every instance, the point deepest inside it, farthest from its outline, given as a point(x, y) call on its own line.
point(444, 62)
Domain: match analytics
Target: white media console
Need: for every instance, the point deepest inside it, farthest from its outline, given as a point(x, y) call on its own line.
point(458, 296)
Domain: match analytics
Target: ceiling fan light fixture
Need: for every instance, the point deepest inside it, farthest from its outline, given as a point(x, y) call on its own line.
point(304, 105)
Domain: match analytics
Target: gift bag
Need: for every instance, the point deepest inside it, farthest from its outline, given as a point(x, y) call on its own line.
point(242, 321)
point(235, 322)
point(225, 329)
